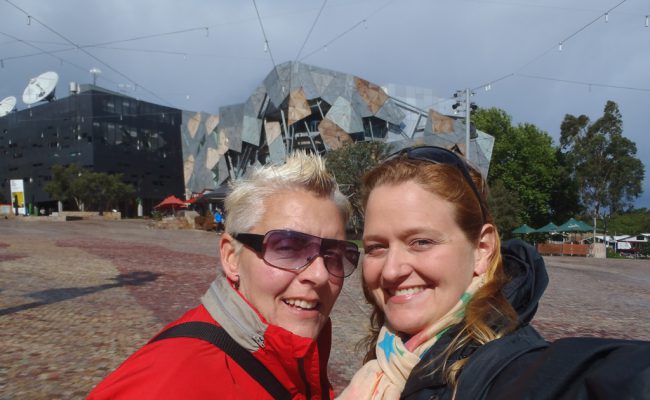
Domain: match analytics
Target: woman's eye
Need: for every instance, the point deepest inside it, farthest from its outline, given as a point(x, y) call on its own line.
point(372, 249)
point(421, 243)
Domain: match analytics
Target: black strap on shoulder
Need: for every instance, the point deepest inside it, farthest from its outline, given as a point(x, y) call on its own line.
point(220, 338)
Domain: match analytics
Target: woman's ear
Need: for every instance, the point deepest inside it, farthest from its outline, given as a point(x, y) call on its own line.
point(229, 257)
point(486, 247)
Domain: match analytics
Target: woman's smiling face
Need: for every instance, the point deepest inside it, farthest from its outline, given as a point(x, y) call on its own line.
point(418, 262)
point(299, 301)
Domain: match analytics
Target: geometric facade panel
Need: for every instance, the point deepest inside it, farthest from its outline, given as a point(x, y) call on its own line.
point(301, 106)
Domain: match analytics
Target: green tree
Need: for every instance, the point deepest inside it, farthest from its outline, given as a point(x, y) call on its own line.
point(59, 188)
point(632, 222)
point(525, 161)
point(89, 190)
point(506, 208)
point(604, 162)
point(100, 191)
point(348, 164)
point(565, 197)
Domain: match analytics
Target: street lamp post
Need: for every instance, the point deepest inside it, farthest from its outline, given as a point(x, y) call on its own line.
point(466, 106)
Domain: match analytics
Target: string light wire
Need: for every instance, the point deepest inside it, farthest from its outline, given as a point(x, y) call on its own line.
point(589, 84)
point(353, 27)
point(311, 29)
point(266, 40)
point(86, 52)
point(561, 43)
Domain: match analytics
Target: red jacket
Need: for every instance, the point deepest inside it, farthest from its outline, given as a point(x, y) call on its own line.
point(186, 368)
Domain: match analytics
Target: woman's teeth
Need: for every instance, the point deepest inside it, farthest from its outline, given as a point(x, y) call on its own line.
point(307, 305)
point(408, 291)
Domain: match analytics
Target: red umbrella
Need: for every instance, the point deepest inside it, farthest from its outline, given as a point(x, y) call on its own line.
point(171, 202)
point(193, 200)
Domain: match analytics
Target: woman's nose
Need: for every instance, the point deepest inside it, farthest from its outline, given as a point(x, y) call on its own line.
point(396, 266)
point(315, 271)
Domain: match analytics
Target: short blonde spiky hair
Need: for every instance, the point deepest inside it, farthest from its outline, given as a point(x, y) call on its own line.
point(244, 206)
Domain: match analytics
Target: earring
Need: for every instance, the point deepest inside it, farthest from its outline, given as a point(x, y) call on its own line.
point(236, 283)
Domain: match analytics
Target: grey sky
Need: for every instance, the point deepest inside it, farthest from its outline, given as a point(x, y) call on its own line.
point(443, 45)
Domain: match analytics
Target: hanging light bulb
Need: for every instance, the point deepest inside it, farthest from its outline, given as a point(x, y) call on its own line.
point(606, 17)
point(365, 24)
point(29, 20)
point(488, 87)
point(325, 48)
point(647, 17)
point(266, 47)
point(559, 47)
point(207, 31)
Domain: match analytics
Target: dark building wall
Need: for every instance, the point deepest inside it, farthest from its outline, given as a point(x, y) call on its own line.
point(102, 131)
point(141, 141)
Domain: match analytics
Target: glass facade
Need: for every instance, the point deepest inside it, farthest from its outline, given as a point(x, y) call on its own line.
point(98, 130)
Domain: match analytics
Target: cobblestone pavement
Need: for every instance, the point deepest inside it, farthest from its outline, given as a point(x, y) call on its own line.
point(76, 298)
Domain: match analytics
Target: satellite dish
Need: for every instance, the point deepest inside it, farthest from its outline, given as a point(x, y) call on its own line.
point(41, 88)
point(7, 105)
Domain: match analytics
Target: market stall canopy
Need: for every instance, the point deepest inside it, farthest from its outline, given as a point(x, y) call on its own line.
point(573, 225)
point(548, 228)
point(218, 194)
point(171, 202)
point(523, 230)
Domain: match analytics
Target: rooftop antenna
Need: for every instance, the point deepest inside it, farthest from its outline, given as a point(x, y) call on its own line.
point(41, 88)
point(94, 72)
point(7, 105)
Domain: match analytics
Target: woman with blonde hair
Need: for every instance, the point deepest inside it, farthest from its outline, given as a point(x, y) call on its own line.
point(451, 306)
point(262, 330)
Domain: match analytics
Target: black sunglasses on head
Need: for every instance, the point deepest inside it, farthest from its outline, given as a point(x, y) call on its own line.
point(440, 155)
point(291, 250)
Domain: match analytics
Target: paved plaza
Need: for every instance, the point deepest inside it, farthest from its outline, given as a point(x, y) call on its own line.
point(78, 297)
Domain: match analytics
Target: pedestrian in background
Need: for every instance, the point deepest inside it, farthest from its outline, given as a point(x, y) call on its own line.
point(218, 220)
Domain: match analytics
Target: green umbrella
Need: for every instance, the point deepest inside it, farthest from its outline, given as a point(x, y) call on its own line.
point(523, 230)
point(573, 225)
point(548, 228)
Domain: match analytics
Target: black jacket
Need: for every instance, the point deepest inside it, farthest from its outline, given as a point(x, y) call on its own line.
point(522, 365)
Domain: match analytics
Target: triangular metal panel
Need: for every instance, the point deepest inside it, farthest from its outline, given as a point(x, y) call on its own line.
point(439, 124)
point(360, 106)
point(220, 172)
point(307, 83)
point(343, 115)
point(298, 107)
point(278, 82)
point(321, 81)
point(391, 113)
point(341, 86)
point(275, 141)
point(254, 103)
point(301, 78)
point(230, 125)
point(332, 135)
point(251, 130)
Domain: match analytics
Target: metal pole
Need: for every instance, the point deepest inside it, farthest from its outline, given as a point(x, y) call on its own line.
point(467, 105)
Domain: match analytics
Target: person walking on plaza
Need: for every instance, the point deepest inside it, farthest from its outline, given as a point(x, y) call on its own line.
point(452, 307)
point(218, 220)
point(263, 329)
